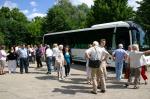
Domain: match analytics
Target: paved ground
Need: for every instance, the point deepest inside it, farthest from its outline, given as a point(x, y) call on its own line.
point(38, 85)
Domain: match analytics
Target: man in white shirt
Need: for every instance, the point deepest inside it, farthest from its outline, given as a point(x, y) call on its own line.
point(49, 55)
point(97, 53)
point(55, 51)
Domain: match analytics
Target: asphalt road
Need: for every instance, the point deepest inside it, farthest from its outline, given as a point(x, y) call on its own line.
point(38, 85)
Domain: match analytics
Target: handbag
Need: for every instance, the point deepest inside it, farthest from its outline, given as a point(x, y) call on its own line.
point(94, 63)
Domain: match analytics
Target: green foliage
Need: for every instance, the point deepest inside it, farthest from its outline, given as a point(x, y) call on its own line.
point(64, 16)
point(56, 20)
point(13, 26)
point(35, 30)
point(143, 15)
point(1, 38)
point(105, 11)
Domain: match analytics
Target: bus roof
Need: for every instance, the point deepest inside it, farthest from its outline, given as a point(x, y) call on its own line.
point(98, 26)
point(111, 25)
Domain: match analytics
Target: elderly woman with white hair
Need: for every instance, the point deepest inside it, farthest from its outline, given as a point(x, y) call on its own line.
point(59, 63)
point(135, 64)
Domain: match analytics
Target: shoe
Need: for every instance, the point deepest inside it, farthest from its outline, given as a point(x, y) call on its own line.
point(89, 82)
point(63, 78)
point(126, 85)
point(146, 82)
point(103, 91)
point(136, 87)
point(48, 73)
point(59, 78)
point(9, 72)
point(93, 92)
point(98, 87)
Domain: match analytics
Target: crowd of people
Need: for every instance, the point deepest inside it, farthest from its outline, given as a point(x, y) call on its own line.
point(131, 59)
point(22, 56)
point(60, 57)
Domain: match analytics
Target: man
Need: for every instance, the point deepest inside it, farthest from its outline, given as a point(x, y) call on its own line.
point(49, 55)
point(104, 64)
point(97, 53)
point(119, 56)
point(23, 56)
point(39, 56)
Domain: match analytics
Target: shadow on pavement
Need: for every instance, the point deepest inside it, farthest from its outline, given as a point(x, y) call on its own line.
point(78, 67)
point(47, 77)
point(36, 72)
point(72, 89)
point(118, 86)
point(74, 81)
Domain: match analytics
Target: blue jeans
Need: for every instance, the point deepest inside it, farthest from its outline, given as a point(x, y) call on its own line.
point(119, 69)
point(23, 64)
point(49, 63)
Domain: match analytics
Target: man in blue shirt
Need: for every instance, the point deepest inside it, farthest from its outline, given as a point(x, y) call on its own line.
point(119, 55)
point(23, 55)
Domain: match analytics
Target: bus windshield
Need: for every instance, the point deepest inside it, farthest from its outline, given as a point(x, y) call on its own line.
point(139, 36)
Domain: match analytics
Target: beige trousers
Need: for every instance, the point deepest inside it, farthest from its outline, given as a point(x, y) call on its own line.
point(95, 74)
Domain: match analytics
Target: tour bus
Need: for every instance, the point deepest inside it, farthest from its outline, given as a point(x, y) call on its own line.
point(125, 32)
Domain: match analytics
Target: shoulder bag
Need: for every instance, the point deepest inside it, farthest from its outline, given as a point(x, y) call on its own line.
point(94, 63)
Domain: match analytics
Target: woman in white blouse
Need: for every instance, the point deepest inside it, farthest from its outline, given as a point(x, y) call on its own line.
point(60, 63)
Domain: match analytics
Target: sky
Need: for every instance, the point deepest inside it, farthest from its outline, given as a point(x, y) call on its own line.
point(33, 8)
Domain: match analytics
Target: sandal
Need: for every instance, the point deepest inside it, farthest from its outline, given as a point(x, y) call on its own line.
point(136, 87)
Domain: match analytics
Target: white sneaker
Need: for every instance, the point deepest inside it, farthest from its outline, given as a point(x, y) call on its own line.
point(9, 72)
point(62, 78)
point(59, 78)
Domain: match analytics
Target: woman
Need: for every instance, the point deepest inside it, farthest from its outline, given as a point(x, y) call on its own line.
point(3, 56)
point(60, 63)
point(88, 69)
point(12, 57)
point(68, 59)
point(144, 74)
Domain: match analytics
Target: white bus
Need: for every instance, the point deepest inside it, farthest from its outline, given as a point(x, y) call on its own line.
point(125, 32)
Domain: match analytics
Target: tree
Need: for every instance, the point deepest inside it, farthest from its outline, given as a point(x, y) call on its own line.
point(35, 30)
point(105, 11)
point(13, 26)
point(56, 20)
point(143, 15)
point(64, 16)
point(1, 38)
